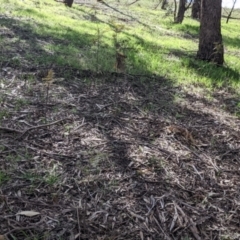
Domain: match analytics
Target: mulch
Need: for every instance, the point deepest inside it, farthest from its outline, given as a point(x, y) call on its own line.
point(115, 158)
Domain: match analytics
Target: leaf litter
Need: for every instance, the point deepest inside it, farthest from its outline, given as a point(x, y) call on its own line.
point(95, 162)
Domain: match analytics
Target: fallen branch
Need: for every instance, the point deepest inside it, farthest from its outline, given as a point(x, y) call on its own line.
point(224, 16)
point(133, 2)
point(19, 229)
point(9, 130)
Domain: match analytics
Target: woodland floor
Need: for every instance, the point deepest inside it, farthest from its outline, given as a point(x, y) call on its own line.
point(108, 156)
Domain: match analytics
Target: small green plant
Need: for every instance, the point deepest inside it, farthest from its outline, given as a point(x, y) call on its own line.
point(150, 107)
point(13, 158)
point(237, 112)
point(3, 177)
point(3, 114)
point(52, 175)
point(97, 42)
point(32, 176)
point(51, 179)
point(20, 102)
point(120, 56)
point(15, 61)
point(157, 163)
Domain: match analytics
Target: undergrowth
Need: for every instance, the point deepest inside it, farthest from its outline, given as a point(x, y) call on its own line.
point(83, 37)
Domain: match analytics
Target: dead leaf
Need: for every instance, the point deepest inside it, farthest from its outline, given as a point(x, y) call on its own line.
point(182, 131)
point(49, 77)
point(28, 213)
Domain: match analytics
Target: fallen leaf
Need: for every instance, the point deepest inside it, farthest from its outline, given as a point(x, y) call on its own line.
point(28, 213)
point(50, 76)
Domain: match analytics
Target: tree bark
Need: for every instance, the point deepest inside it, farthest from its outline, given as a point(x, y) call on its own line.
point(164, 4)
point(181, 10)
point(210, 41)
point(175, 9)
point(68, 3)
point(196, 7)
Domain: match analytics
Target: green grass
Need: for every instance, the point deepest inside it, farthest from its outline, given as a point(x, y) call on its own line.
point(152, 43)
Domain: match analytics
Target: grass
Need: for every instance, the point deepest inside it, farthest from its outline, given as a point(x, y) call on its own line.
point(3, 177)
point(112, 126)
point(152, 43)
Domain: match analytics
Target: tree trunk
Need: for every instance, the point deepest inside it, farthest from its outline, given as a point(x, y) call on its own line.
point(175, 9)
point(196, 7)
point(68, 3)
point(164, 4)
point(210, 40)
point(181, 11)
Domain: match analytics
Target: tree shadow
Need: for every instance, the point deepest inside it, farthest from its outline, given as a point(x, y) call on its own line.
point(134, 133)
point(133, 116)
point(192, 31)
point(218, 76)
point(49, 47)
point(234, 42)
point(215, 73)
point(189, 30)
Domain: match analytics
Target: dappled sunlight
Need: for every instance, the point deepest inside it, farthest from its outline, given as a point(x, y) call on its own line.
point(149, 151)
point(214, 107)
point(147, 49)
point(122, 154)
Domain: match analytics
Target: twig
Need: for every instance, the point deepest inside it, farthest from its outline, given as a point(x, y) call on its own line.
point(191, 223)
point(133, 2)
point(79, 227)
point(136, 215)
point(224, 16)
point(39, 126)
point(9, 130)
point(19, 229)
point(45, 152)
point(157, 5)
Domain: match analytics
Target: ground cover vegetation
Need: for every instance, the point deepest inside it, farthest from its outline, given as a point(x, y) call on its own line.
point(111, 128)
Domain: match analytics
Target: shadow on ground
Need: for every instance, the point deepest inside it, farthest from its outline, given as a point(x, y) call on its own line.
point(111, 156)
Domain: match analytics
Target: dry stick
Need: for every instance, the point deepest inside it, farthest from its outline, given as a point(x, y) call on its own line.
point(40, 126)
point(133, 2)
point(229, 15)
point(48, 153)
point(157, 5)
point(224, 16)
point(19, 229)
point(192, 224)
point(79, 227)
point(9, 130)
point(47, 97)
point(10, 149)
point(156, 221)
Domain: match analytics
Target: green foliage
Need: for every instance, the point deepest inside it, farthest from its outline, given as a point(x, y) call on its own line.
point(3, 114)
point(3, 177)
